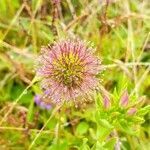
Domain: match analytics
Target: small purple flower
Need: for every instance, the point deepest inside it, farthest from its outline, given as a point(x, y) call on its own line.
point(68, 70)
point(124, 99)
point(132, 111)
point(40, 102)
point(37, 99)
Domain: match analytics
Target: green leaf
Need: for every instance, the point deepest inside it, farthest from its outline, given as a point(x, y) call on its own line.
point(105, 124)
point(126, 127)
point(137, 119)
point(102, 132)
point(110, 144)
point(3, 6)
point(82, 128)
point(98, 100)
point(85, 145)
point(62, 144)
point(17, 89)
point(144, 111)
point(98, 146)
point(36, 4)
point(30, 111)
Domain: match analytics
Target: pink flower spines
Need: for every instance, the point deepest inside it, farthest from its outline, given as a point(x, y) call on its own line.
point(68, 68)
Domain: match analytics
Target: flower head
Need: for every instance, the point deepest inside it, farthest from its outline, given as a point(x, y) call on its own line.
point(68, 70)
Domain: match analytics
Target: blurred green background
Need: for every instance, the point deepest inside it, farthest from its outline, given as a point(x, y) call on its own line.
point(120, 32)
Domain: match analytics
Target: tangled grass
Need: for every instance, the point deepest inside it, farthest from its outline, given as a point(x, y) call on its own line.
point(116, 115)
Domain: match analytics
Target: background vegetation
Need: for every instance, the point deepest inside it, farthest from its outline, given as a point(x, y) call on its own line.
point(120, 32)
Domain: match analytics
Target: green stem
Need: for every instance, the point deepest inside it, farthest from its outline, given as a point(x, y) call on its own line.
point(38, 135)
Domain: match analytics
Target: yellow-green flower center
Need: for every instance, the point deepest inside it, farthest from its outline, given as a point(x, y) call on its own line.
point(68, 70)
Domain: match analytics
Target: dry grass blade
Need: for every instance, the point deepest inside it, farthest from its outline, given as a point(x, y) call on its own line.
point(38, 135)
point(141, 80)
point(13, 21)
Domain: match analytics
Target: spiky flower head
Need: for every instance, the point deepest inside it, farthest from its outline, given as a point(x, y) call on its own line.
point(68, 70)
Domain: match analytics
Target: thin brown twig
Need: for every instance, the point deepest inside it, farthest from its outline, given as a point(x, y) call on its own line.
point(22, 52)
point(76, 20)
point(129, 64)
point(17, 67)
point(23, 129)
point(140, 81)
point(13, 21)
point(72, 10)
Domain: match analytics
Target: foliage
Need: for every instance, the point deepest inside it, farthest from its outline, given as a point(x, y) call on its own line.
point(119, 30)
